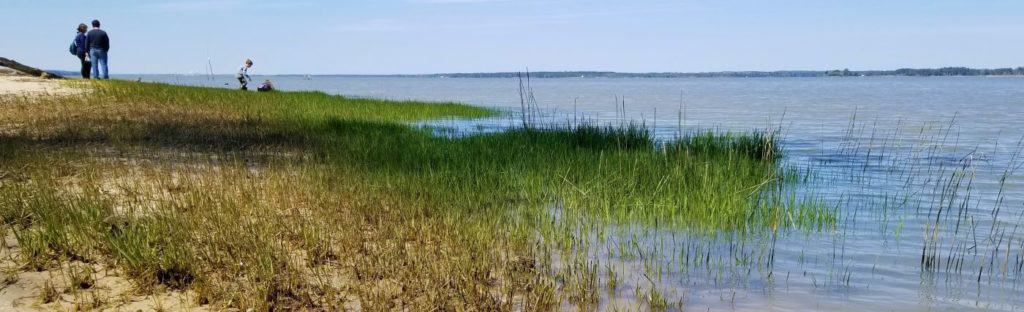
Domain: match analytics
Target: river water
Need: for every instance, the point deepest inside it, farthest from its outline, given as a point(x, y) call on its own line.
point(924, 172)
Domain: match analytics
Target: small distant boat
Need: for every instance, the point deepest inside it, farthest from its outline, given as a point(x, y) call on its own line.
point(308, 77)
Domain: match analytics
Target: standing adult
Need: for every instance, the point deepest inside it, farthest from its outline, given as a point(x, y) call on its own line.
point(98, 44)
point(82, 50)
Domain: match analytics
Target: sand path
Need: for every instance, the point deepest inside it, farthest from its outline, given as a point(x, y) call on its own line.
point(12, 84)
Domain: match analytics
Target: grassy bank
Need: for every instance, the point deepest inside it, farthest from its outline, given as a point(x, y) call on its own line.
point(306, 200)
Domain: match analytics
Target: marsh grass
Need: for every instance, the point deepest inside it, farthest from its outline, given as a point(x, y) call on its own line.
point(302, 200)
point(940, 204)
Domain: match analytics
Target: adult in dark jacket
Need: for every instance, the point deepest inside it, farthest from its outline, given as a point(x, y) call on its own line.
point(82, 50)
point(98, 44)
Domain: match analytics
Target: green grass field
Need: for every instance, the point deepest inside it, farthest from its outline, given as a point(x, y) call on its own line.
point(302, 200)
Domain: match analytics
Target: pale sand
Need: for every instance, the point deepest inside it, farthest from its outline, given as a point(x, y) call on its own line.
point(11, 84)
point(22, 290)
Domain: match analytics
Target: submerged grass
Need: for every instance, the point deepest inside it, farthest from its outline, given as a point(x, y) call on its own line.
point(307, 200)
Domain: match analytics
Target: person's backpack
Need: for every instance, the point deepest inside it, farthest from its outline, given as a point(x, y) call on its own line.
point(74, 48)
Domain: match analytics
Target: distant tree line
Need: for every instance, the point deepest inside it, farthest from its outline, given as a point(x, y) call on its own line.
point(945, 71)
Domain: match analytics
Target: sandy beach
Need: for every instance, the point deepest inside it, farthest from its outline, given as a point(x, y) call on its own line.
point(12, 83)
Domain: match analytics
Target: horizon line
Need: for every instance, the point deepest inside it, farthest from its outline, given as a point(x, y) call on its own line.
point(590, 72)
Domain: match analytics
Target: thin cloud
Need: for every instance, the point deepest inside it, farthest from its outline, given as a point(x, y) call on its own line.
point(373, 25)
point(191, 6)
point(457, 1)
point(513, 23)
point(218, 5)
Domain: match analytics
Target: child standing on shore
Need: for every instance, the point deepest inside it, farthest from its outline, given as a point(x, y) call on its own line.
point(243, 74)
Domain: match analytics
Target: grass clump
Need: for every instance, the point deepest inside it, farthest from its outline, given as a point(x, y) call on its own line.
point(80, 276)
point(302, 200)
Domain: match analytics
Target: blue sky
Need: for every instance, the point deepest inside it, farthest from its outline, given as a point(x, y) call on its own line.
point(433, 36)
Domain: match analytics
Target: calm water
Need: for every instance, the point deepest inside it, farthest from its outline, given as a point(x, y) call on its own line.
point(924, 173)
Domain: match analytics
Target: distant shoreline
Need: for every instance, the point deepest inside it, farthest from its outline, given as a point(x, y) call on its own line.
point(908, 72)
point(903, 72)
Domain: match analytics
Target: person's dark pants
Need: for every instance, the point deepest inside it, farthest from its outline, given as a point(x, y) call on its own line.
point(86, 67)
point(244, 82)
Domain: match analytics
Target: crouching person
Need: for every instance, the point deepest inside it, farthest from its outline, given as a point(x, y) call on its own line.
point(266, 86)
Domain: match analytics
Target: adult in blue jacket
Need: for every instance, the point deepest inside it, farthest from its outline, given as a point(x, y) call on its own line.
point(82, 50)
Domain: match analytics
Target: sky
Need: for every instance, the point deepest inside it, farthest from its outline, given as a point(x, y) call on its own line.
point(445, 36)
